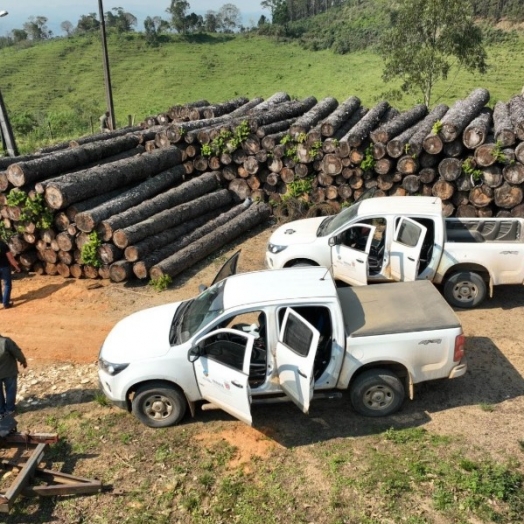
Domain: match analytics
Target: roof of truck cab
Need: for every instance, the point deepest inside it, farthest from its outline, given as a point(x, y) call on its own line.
point(260, 287)
point(422, 205)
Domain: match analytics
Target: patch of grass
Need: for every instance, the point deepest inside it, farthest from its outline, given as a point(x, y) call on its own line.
point(487, 407)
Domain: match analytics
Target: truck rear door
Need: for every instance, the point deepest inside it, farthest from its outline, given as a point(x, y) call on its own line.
point(405, 249)
point(295, 356)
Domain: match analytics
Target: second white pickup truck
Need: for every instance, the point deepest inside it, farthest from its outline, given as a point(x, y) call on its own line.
point(269, 336)
point(404, 239)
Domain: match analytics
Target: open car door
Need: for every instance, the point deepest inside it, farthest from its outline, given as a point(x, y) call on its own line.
point(221, 362)
point(350, 264)
point(295, 356)
point(405, 249)
point(229, 268)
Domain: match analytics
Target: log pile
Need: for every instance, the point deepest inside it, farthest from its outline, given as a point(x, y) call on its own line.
point(186, 182)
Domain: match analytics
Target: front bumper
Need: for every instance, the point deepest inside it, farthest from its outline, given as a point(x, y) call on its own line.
point(122, 404)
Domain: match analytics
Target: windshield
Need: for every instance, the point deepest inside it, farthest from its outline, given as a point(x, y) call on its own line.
point(334, 222)
point(199, 312)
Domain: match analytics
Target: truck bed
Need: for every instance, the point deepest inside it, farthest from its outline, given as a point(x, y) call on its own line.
point(483, 229)
point(374, 310)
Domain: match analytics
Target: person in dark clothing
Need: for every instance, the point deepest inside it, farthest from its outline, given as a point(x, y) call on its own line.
point(6, 261)
point(10, 354)
point(105, 122)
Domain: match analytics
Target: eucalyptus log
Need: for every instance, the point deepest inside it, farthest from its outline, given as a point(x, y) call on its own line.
point(120, 271)
point(387, 131)
point(481, 196)
point(312, 117)
point(503, 128)
point(478, 129)
point(171, 247)
point(274, 100)
point(90, 203)
point(6, 161)
point(240, 187)
point(417, 141)
point(101, 136)
point(519, 153)
point(196, 251)
point(486, 154)
point(462, 113)
point(398, 145)
point(109, 253)
point(85, 184)
point(443, 189)
point(492, 176)
point(32, 171)
point(185, 192)
point(450, 169)
point(368, 122)
point(340, 115)
point(411, 183)
point(88, 220)
point(508, 196)
point(453, 149)
point(407, 165)
point(516, 110)
point(225, 107)
point(281, 112)
point(275, 127)
point(514, 173)
point(171, 217)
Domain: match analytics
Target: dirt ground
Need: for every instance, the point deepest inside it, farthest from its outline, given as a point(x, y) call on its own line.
point(57, 321)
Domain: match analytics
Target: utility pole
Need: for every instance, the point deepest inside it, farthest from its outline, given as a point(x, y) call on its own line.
point(6, 132)
point(107, 76)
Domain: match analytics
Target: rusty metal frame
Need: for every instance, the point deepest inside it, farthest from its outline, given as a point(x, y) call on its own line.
point(57, 483)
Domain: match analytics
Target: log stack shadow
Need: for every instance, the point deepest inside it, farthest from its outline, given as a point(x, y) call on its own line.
point(154, 199)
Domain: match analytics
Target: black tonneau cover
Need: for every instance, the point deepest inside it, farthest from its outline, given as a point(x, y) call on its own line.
point(399, 307)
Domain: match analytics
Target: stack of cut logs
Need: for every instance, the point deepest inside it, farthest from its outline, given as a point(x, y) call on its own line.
point(166, 194)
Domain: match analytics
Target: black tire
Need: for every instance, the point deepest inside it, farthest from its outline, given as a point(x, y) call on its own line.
point(302, 263)
point(159, 405)
point(377, 393)
point(465, 289)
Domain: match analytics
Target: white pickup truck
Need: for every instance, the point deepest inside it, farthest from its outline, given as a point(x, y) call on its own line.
point(404, 239)
point(270, 336)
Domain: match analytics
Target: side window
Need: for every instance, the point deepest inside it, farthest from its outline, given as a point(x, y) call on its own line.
point(356, 237)
point(408, 234)
point(297, 336)
point(226, 351)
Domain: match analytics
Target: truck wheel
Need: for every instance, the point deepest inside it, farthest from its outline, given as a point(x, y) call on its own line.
point(377, 393)
point(465, 289)
point(158, 405)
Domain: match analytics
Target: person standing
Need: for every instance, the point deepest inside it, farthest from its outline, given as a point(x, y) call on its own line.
point(6, 261)
point(10, 355)
point(105, 122)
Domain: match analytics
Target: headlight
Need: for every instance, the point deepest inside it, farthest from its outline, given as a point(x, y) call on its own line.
point(112, 369)
point(273, 248)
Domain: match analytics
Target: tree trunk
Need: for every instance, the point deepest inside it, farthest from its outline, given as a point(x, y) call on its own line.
point(225, 107)
point(240, 188)
point(485, 155)
point(312, 117)
point(181, 194)
point(417, 142)
point(171, 217)
point(340, 115)
point(453, 149)
point(514, 173)
point(281, 112)
point(88, 220)
point(462, 113)
point(478, 129)
point(109, 253)
point(196, 251)
point(368, 122)
point(411, 183)
point(386, 132)
point(450, 169)
point(85, 184)
point(407, 165)
point(507, 196)
point(275, 127)
point(503, 128)
point(481, 196)
point(516, 110)
point(442, 189)
point(120, 271)
point(492, 176)
point(171, 247)
point(32, 171)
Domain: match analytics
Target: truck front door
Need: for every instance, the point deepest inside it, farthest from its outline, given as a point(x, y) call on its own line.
point(295, 356)
point(221, 361)
point(350, 252)
point(405, 249)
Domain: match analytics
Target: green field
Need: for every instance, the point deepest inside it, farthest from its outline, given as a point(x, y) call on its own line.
point(60, 83)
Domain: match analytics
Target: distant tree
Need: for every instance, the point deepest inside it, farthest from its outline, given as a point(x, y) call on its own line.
point(262, 21)
point(211, 22)
point(88, 23)
point(271, 5)
point(19, 35)
point(281, 14)
point(154, 27)
point(67, 27)
point(121, 21)
point(194, 22)
point(230, 18)
point(36, 28)
point(425, 38)
point(178, 10)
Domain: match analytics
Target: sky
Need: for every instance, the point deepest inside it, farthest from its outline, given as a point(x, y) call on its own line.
point(58, 11)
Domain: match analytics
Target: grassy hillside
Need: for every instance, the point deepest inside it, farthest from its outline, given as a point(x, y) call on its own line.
point(56, 84)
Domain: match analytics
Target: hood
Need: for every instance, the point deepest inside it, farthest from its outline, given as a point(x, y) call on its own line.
point(297, 232)
point(144, 334)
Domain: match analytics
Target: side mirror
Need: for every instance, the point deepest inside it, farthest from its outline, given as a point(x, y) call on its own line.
point(193, 354)
point(333, 241)
point(202, 288)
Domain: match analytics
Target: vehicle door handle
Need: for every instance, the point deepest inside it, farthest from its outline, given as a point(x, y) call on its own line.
point(301, 373)
point(412, 259)
point(236, 384)
point(361, 261)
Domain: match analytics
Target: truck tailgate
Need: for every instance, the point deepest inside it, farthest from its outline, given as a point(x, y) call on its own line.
point(400, 307)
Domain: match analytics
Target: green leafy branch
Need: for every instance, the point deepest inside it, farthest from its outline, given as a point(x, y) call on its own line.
point(227, 141)
point(32, 209)
point(89, 254)
point(368, 162)
point(298, 188)
point(437, 127)
point(470, 168)
point(161, 283)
